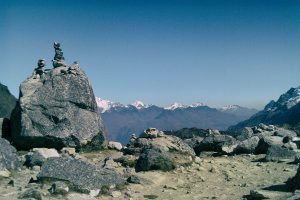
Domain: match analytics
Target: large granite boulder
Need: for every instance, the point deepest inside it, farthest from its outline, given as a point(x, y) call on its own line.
point(79, 175)
point(57, 108)
point(8, 156)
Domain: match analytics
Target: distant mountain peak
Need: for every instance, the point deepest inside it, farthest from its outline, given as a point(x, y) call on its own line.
point(176, 105)
point(106, 105)
point(197, 104)
point(286, 100)
point(230, 107)
point(139, 105)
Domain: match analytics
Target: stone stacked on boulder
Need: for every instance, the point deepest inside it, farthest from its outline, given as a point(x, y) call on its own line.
point(57, 110)
point(59, 59)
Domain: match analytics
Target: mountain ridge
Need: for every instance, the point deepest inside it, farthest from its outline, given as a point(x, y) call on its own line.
point(123, 120)
point(284, 111)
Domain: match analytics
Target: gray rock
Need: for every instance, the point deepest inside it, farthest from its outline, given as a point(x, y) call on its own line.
point(294, 182)
point(154, 159)
point(164, 142)
point(115, 145)
point(59, 187)
point(38, 156)
point(134, 179)
point(277, 153)
point(81, 176)
point(8, 156)
point(247, 146)
point(217, 143)
point(5, 128)
point(266, 142)
point(31, 193)
point(55, 111)
point(284, 132)
point(151, 133)
point(245, 134)
point(265, 194)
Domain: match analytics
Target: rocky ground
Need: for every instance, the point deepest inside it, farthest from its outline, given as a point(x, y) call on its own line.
point(223, 177)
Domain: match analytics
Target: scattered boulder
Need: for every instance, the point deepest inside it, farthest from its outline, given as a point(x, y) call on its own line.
point(164, 142)
point(31, 194)
point(245, 134)
point(154, 159)
point(57, 110)
point(68, 151)
point(115, 145)
point(277, 153)
point(59, 187)
point(109, 163)
point(38, 156)
point(247, 146)
point(266, 142)
point(134, 179)
point(218, 143)
point(151, 133)
point(284, 133)
point(80, 175)
point(8, 156)
point(4, 173)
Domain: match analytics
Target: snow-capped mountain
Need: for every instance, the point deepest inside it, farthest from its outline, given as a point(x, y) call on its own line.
point(286, 110)
point(122, 120)
point(286, 100)
point(177, 105)
point(139, 105)
point(106, 105)
point(229, 108)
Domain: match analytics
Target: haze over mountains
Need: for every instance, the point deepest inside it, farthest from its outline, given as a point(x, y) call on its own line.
point(123, 120)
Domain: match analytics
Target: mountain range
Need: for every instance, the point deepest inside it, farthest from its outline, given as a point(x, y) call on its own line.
point(7, 102)
point(122, 120)
point(285, 111)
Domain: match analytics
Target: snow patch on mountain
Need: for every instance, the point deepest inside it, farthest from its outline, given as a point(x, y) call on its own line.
point(229, 108)
point(178, 105)
point(286, 100)
point(105, 105)
point(139, 105)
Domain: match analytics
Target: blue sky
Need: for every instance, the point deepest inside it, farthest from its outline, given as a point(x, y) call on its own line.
point(244, 52)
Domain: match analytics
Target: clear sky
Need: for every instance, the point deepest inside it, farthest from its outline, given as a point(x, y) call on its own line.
point(244, 52)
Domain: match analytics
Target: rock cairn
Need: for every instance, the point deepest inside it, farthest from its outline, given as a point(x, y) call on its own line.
point(59, 59)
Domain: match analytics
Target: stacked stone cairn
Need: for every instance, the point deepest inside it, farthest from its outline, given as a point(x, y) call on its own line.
point(59, 59)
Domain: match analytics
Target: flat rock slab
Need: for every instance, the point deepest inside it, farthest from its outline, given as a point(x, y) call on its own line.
point(82, 176)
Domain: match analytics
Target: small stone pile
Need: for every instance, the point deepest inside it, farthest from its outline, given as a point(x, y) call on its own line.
point(59, 59)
